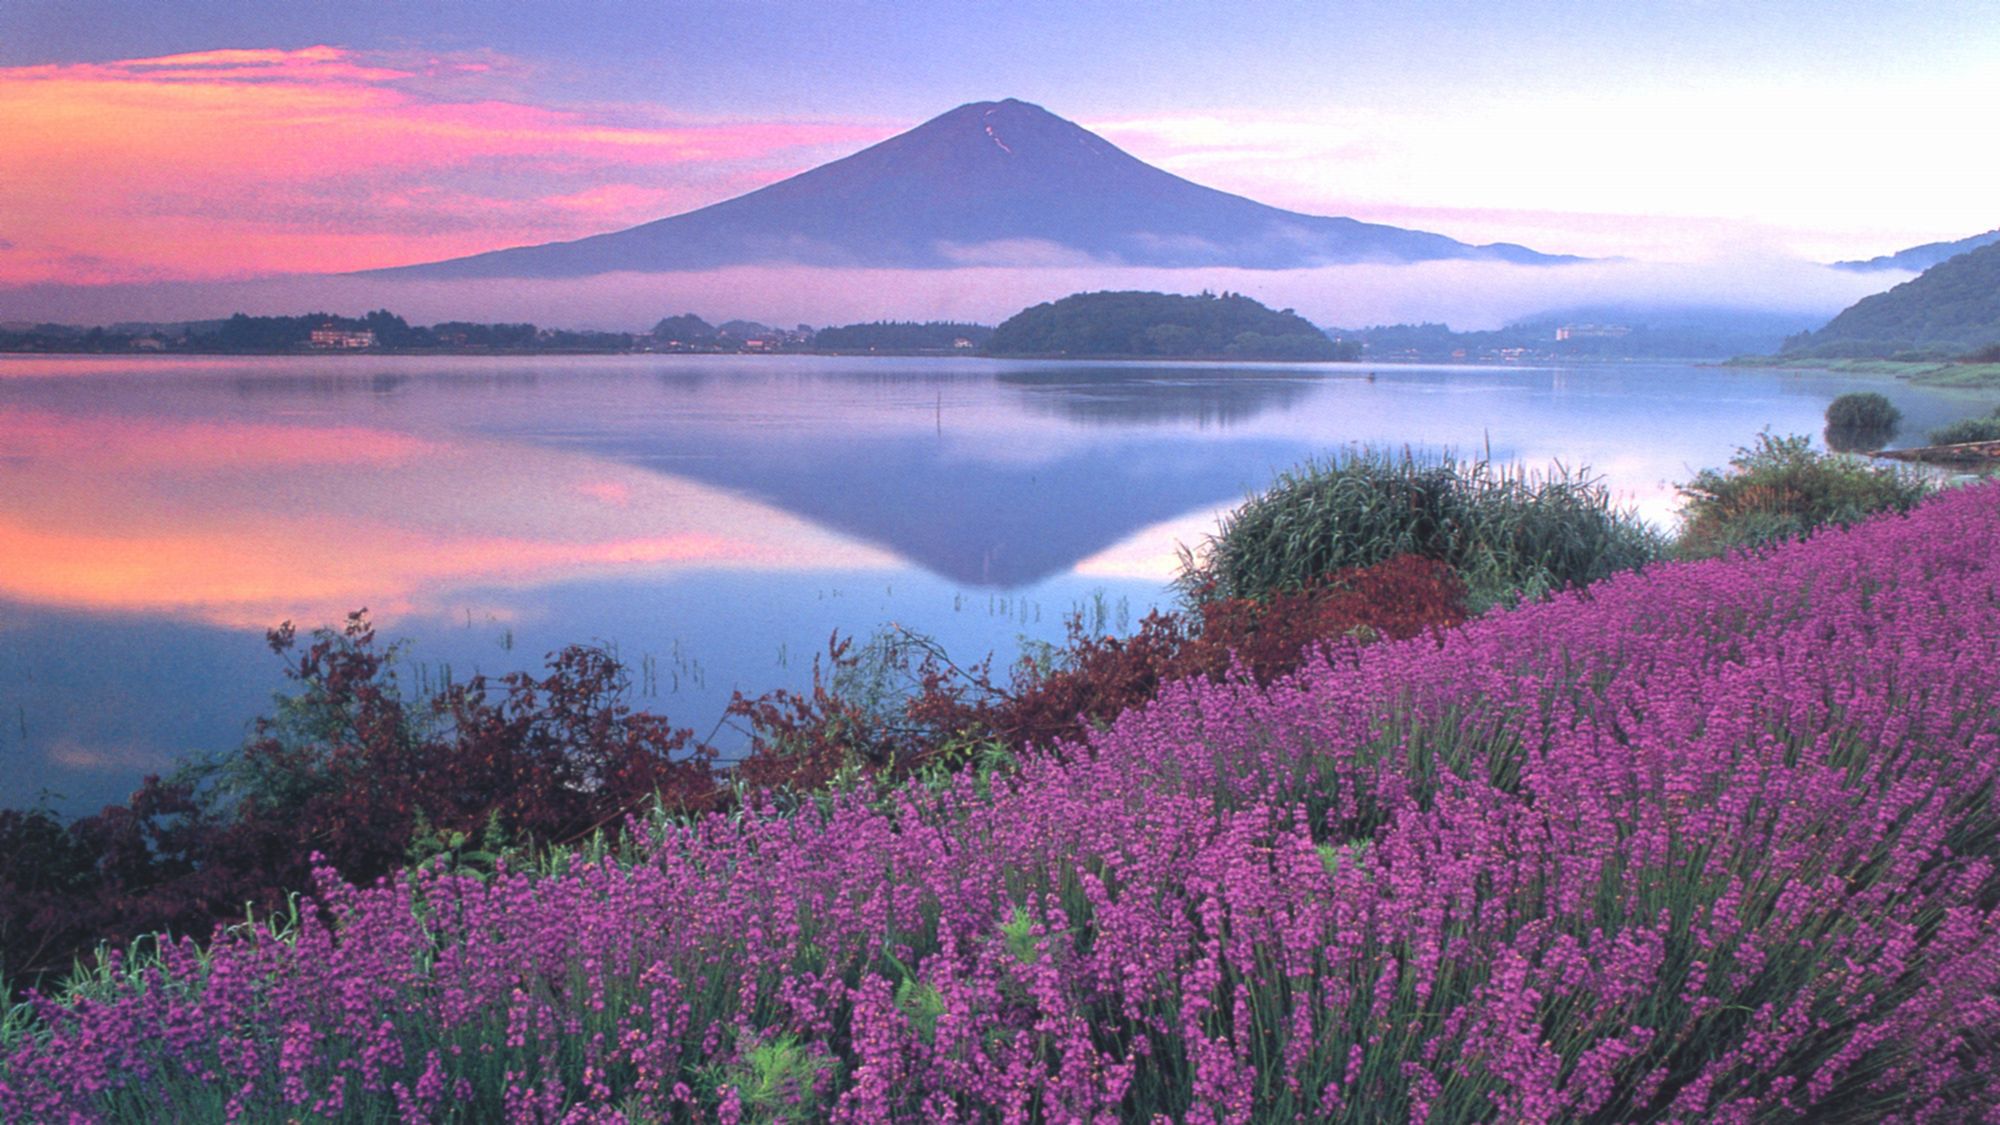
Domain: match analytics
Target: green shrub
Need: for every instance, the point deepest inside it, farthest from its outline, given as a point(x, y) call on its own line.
point(1509, 533)
point(1968, 429)
point(1861, 420)
point(1782, 489)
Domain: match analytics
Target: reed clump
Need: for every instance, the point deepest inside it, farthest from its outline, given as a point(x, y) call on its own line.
point(1509, 532)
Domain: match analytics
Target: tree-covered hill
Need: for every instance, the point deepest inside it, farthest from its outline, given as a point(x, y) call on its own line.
point(1167, 325)
point(1948, 310)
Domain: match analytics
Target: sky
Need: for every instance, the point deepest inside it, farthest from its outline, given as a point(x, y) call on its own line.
point(218, 140)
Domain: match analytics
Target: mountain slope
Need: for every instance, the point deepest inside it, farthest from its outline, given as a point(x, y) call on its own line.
point(1951, 308)
point(1923, 257)
point(987, 183)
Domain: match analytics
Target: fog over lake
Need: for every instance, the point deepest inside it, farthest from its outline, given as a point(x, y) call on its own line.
point(713, 518)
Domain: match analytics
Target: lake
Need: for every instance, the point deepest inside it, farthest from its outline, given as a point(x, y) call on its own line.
point(714, 519)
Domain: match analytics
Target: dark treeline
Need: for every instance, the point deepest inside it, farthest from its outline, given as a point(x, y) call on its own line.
point(66, 338)
point(383, 330)
point(902, 336)
point(1600, 333)
point(242, 334)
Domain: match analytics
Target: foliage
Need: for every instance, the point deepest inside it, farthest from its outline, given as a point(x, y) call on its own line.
point(900, 336)
point(243, 334)
point(467, 334)
point(898, 704)
point(1782, 489)
point(1091, 680)
point(1715, 842)
point(1860, 420)
point(1643, 332)
point(1968, 429)
point(686, 326)
point(1161, 324)
point(352, 769)
point(1508, 533)
point(1950, 308)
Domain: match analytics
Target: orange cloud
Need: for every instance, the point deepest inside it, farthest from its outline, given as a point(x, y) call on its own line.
point(240, 162)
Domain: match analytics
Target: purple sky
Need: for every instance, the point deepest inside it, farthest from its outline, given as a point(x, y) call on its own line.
point(218, 140)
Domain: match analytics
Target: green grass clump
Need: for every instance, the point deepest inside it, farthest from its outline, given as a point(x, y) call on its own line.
point(1782, 489)
point(1968, 429)
point(1509, 533)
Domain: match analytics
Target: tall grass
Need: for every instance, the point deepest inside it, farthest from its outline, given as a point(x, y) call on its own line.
point(1509, 532)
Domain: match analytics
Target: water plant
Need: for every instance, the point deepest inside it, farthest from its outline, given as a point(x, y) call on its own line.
point(1507, 531)
point(1712, 842)
point(1860, 420)
point(1968, 429)
point(1781, 488)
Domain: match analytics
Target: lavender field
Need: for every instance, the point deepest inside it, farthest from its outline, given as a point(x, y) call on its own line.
point(1715, 841)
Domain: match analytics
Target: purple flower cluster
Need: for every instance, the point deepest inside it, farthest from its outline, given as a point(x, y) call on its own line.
point(1715, 842)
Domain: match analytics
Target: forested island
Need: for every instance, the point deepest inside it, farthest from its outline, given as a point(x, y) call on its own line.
point(1132, 324)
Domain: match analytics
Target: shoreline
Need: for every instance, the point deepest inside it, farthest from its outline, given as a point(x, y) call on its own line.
point(1923, 373)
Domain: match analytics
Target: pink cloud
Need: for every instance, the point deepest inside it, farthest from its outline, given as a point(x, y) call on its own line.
point(241, 162)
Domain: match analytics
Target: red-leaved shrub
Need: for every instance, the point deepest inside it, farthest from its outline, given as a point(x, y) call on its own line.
point(803, 739)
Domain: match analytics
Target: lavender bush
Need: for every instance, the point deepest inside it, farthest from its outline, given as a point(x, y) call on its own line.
point(1715, 842)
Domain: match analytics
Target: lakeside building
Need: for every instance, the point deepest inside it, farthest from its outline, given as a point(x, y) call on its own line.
point(1592, 331)
point(343, 339)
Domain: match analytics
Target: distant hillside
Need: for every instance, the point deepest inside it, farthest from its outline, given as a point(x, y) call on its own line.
point(1164, 325)
point(1920, 258)
point(1948, 310)
point(1593, 332)
point(989, 181)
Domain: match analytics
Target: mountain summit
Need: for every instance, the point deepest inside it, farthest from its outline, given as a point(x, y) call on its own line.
point(987, 183)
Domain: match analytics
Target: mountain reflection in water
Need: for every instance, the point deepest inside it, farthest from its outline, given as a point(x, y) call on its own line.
point(715, 518)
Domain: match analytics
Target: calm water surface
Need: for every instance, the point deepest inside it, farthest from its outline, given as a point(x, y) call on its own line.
point(714, 518)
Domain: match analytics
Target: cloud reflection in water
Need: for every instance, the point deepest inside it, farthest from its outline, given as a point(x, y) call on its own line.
point(244, 524)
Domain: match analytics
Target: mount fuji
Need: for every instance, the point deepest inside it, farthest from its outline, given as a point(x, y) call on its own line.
point(987, 183)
